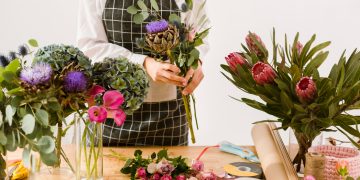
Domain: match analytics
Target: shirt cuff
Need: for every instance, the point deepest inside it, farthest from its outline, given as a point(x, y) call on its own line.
point(138, 58)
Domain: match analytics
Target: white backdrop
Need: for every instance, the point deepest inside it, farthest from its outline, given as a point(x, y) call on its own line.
point(221, 118)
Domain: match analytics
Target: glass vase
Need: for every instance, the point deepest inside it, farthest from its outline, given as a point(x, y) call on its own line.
point(89, 150)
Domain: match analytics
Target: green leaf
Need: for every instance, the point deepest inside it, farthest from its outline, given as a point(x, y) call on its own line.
point(33, 43)
point(315, 63)
point(46, 144)
point(145, 15)
point(163, 154)
point(132, 10)
point(3, 139)
point(195, 53)
point(198, 42)
point(9, 76)
point(43, 117)
point(352, 141)
point(142, 5)
point(153, 155)
point(154, 5)
point(190, 61)
point(26, 155)
point(49, 159)
point(28, 124)
point(138, 18)
point(190, 4)
point(55, 106)
point(13, 66)
point(10, 112)
point(138, 153)
point(174, 18)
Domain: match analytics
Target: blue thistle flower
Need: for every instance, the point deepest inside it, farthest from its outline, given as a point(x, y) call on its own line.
point(23, 50)
point(12, 55)
point(75, 82)
point(4, 61)
point(39, 74)
point(157, 26)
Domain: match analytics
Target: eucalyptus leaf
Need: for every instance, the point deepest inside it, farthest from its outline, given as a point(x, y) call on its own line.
point(43, 117)
point(145, 15)
point(28, 124)
point(10, 112)
point(46, 144)
point(174, 18)
point(138, 18)
point(132, 10)
point(26, 155)
point(33, 43)
point(3, 139)
point(142, 5)
point(154, 5)
point(49, 159)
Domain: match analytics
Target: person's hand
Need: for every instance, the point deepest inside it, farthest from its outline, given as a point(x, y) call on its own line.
point(197, 76)
point(164, 72)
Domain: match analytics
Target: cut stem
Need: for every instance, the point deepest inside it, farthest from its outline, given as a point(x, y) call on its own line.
point(188, 116)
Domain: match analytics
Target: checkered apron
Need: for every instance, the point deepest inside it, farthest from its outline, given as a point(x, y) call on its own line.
point(154, 124)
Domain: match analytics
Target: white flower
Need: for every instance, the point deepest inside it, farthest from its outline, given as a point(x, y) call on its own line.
point(151, 168)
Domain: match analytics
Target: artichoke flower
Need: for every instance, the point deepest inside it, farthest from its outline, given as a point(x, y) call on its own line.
point(161, 36)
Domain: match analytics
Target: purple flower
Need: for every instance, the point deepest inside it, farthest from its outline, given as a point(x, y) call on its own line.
point(39, 74)
point(157, 26)
point(75, 82)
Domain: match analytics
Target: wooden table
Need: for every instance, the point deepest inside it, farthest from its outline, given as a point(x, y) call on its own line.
point(213, 158)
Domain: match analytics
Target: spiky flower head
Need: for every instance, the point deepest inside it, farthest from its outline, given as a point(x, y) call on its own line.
point(23, 50)
point(4, 61)
point(157, 26)
point(39, 74)
point(75, 82)
point(161, 36)
point(12, 55)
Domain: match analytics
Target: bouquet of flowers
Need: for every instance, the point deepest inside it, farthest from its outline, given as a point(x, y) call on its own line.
point(292, 90)
point(168, 38)
point(159, 166)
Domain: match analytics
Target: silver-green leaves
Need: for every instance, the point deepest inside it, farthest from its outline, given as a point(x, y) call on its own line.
point(28, 124)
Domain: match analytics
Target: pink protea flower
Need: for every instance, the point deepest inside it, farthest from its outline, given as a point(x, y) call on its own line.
point(206, 176)
point(191, 35)
point(156, 176)
point(97, 114)
point(263, 73)
point(306, 89)
point(309, 177)
point(141, 173)
point(252, 45)
point(342, 168)
point(299, 47)
point(181, 177)
point(164, 167)
point(166, 177)
point(234, 59)
point(197, 165)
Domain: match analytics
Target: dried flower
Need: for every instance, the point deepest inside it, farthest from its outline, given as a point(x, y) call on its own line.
point(181, 177)
point(306, 89)
point(4, 61)
point(299, 47)
point(97, 114)
point(23, 50)
point(141, 173)
point(254, 47)
point(197, 165)
point(39, 74)
point(12, 55)
point(166, 177)
point(342, 168)
point(234, 59)
point(309, 177)
point(263, 73)
point(75, 82)
point(164, 167)
point(157, 26)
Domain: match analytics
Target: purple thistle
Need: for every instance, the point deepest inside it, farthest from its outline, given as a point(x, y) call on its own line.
point(75, 82)
point(157, 26)
point(39, 74)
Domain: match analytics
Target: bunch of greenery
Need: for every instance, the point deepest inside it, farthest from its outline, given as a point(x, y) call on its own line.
point(128, 78)
point(292, 90)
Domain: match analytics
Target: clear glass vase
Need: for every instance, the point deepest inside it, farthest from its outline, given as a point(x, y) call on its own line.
point(89, 150)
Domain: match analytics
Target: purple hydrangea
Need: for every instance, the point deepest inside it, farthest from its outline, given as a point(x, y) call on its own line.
point(39, 74)
point(157, 26)
point(75, 82)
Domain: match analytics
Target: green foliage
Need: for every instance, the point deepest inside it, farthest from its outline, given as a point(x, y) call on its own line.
point(336, 94)
point(128, 78)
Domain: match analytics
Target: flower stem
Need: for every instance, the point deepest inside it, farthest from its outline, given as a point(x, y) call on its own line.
point(58, 143)
point(188, 116)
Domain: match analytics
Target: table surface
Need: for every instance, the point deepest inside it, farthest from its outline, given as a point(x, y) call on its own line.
point(213, 158)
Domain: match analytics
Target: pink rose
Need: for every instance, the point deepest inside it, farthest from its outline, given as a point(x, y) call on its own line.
point(181, 177)
point(197, 165)
point(156, 176)
point(263, 73)
point(141, 172)
point(166, 177)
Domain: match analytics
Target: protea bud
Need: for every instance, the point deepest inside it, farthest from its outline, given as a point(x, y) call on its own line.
point(263, 73)
point(306, 89)
point(234, 59)
point(299, 47)
point(254, 47)
point(161, 36)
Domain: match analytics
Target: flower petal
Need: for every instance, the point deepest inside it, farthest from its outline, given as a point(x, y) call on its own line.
point(92, 93)
point(97, 114)
point(119, 117)
point(113, 99)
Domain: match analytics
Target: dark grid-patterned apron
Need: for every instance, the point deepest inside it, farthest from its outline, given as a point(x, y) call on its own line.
point(154, 124)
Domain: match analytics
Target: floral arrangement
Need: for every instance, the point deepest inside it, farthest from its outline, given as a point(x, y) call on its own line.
point(292, 90)
point(159, 166)
point(172, 40)
point(127, 78)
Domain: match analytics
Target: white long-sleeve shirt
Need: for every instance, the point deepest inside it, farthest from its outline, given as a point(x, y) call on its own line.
point(92, 40)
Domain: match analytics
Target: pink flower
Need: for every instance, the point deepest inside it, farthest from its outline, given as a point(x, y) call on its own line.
point(141, 172)
point(253, 47)
point(164, 167)
point(191, 35)
point(166, 177)
point(342, 168)
point(151, 168)
point(119, 117)
point(181, 177)
point(97, 114)
point(299, 47)
point(92, 93)
point(306, 89)
point(156, 176)
point(206, 176)
point(197, 165)
point(263, 73)
point(309, 177)
point(113, 99)
point(235, 59)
